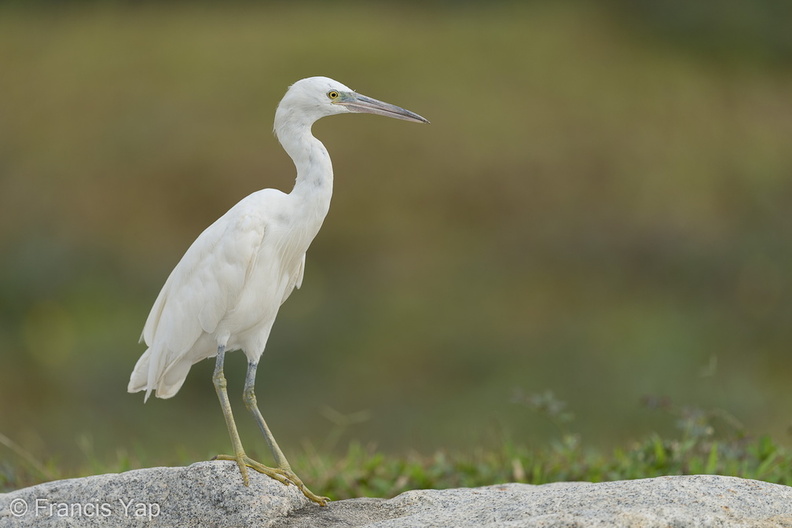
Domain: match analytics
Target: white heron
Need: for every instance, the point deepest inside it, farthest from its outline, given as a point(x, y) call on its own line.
point(225, 292)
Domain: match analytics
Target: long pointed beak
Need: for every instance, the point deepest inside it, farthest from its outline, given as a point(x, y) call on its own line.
point(362, 104)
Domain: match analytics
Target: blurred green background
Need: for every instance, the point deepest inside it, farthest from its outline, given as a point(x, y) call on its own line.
point(600, 207)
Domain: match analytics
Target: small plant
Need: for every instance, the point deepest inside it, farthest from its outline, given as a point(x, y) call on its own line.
point(709, 441)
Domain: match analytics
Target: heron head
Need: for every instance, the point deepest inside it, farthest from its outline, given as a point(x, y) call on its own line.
point(317, 97)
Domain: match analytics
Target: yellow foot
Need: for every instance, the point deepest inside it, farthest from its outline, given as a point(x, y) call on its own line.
point(284, 476)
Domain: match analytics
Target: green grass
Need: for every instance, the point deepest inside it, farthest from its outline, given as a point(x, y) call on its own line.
point(708, 442)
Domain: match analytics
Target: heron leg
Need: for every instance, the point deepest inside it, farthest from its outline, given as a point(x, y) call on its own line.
point(249, 397)
point(242, 460)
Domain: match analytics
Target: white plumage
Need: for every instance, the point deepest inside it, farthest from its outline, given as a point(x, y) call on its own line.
point(225, 292)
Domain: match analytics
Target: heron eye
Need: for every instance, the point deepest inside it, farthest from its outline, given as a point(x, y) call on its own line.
point(332, 94)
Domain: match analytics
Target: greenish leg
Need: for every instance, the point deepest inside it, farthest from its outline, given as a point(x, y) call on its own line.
point(284, 469)
point(242, 460)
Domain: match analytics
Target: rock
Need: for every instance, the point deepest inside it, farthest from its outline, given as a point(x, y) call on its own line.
point(212, 494)
point(203, 494)
point(679, 501)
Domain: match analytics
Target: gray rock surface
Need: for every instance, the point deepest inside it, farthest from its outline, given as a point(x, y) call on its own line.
point(212, 494)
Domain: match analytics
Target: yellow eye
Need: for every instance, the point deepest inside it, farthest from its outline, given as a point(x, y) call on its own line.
point(332, 94)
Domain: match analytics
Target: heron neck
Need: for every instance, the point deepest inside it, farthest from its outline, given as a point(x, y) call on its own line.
point(314, 183)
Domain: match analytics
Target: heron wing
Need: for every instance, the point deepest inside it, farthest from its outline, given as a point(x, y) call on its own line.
point(205, 283)
point(202, 288)
point(295, 279)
